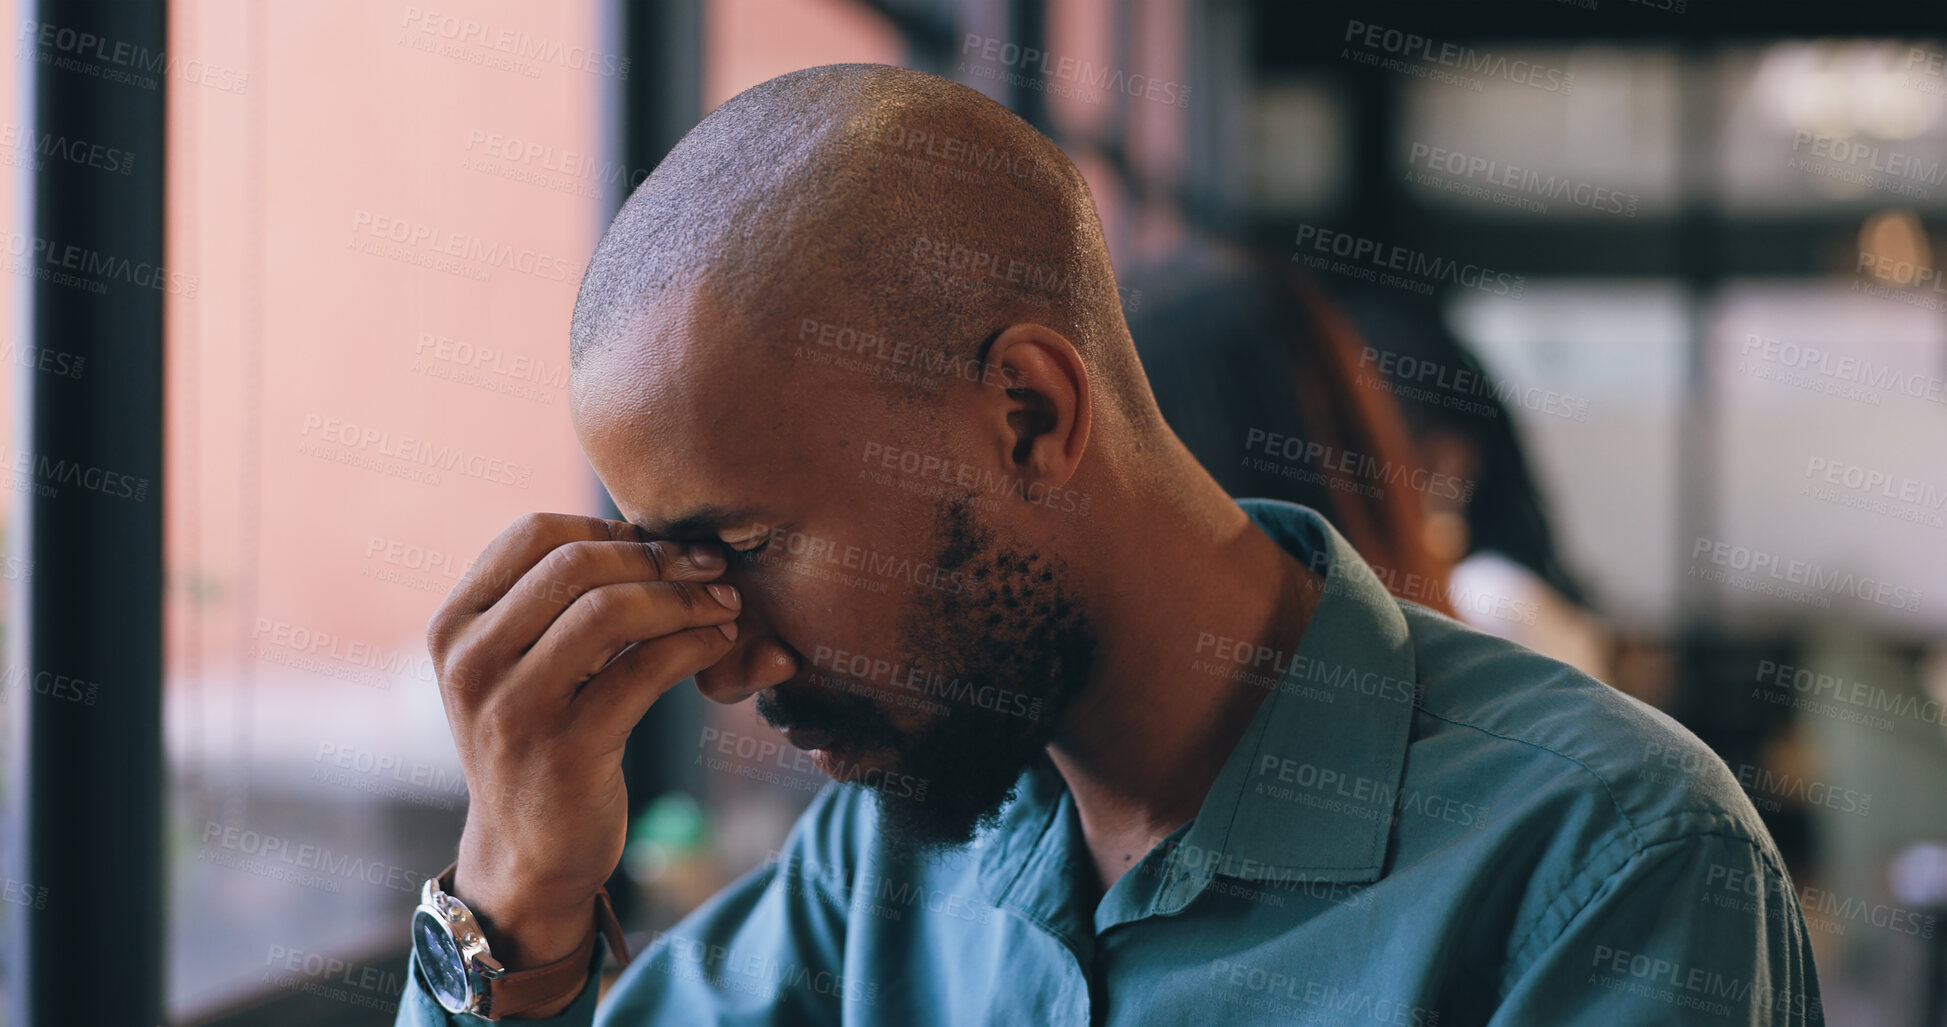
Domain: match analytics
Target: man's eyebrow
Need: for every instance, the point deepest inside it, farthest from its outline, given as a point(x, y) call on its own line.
point(701, 521)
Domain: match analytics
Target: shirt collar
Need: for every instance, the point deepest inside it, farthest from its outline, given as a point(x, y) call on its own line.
point(1308, 794)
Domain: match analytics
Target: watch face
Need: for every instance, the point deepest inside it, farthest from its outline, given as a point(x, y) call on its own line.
point(440, 962)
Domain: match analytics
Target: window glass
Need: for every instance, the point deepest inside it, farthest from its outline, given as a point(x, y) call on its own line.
point(389, 208)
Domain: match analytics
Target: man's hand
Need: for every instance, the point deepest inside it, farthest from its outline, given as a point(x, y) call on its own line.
point(549, 650)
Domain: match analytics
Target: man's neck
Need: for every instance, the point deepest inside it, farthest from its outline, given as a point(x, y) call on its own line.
point(1163, 708)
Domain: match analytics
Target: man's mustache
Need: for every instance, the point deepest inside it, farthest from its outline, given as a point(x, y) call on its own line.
point(845, 714)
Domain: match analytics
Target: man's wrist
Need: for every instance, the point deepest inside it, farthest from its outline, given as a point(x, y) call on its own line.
point(545, 946)
point(523, 935)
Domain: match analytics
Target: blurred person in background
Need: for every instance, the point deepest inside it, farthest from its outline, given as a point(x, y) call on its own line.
point(1508, 571)
point(1253, 369)
point(1280, 391)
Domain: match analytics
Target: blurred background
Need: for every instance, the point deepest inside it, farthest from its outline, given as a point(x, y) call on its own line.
point(1612, 326)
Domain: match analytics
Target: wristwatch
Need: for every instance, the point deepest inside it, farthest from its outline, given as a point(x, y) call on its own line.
point(465, 977)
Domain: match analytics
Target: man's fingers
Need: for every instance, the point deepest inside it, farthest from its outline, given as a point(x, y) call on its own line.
point(609, 619)
point(515, 551)
point(559, 581)
point(615, 699)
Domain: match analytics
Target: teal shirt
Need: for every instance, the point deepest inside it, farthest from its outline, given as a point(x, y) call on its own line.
point(1422, 826)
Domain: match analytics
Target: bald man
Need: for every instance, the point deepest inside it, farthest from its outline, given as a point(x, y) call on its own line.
point(1112, 748)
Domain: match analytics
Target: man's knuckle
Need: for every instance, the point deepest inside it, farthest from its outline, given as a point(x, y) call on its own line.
point(597, 605)
point(577, 561)
point(684, 594)
point(530, 527)
point(463, 670)
point(439, 634)
point(660, 555)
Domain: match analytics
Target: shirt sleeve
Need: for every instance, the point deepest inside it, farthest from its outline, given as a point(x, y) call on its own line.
point(1701, 930)
point(769, 949)
point(418, 1007)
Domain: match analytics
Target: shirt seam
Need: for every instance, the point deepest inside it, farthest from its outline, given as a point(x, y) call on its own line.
point(1518, 954)
point(1621, 813)
point(1262, 725)
point(1047, 824)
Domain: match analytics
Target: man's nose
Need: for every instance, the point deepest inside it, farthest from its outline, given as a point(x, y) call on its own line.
point(756, 661)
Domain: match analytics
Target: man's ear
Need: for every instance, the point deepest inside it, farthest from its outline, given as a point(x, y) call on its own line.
point(1043, 412)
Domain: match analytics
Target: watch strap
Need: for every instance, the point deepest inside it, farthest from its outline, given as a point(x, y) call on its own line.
point(517, 991)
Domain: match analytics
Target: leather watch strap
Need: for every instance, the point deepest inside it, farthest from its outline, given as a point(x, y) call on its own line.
point(518, 991)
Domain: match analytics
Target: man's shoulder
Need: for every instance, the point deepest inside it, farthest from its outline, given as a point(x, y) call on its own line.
point(1553, 742)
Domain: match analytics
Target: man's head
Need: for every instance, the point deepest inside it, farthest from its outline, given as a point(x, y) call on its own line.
point(861, 326)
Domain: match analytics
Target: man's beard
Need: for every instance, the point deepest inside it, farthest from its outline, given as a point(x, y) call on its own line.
point(1006, 656)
